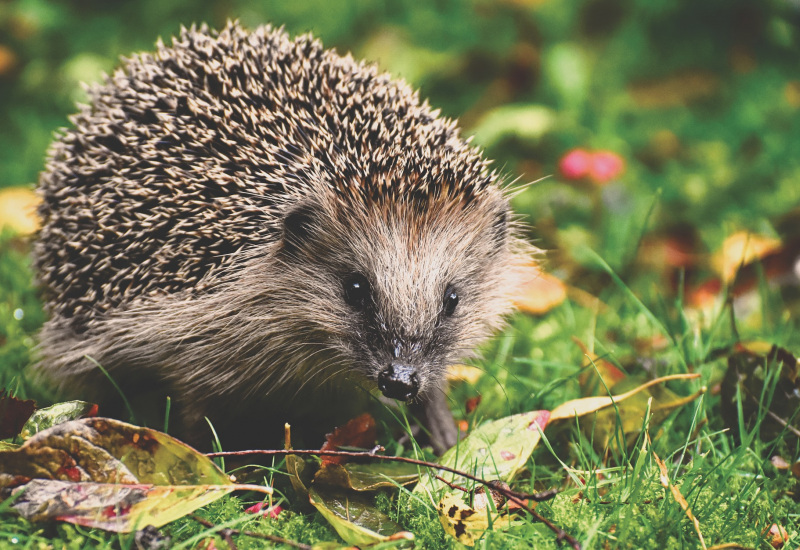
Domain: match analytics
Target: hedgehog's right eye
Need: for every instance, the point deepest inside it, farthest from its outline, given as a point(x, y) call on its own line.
point(356, 291)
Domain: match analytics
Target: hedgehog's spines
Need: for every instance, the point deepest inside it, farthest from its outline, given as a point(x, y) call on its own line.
point(192, 154)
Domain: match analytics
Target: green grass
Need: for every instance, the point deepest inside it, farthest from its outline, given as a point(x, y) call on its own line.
point(725, 474)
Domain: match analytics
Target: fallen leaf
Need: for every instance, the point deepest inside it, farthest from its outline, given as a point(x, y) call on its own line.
point(112, 506)
point(18, 210)
point(466, 524)
point(264, 509)
point(739, 249)
point(776, 535)
point(301, 472)
point(498, 449)
point(540, 293)
point(111, 475)
point(48, 417)
point(355, 518)
point(483, 494)
point(14, 413)
point(464, 373)
point(358, 432)
point(367, 477)
point(597, 373)
point(586, 405)
point(472, 404)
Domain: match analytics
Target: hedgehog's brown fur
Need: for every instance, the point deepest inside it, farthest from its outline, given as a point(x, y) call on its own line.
point(199, 218)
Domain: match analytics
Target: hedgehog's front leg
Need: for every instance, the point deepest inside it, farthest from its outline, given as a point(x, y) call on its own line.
point(437, 418)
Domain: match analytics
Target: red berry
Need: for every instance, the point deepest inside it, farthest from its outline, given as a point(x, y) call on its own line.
point(576, 164)
point(606, 166)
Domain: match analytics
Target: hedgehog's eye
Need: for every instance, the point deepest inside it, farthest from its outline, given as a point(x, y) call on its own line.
point(450, 301)
point(356, 291)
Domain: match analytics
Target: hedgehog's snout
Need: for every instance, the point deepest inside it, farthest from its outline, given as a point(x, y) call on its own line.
point(399, 381)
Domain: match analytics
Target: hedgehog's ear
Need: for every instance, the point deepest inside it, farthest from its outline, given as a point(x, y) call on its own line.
point(298, 226)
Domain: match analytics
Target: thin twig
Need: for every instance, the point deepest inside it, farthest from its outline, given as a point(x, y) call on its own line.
point(515, 496)
point(226, 535)
point(452, 485)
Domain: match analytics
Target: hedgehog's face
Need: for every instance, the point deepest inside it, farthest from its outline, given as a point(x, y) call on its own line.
point(400, 294)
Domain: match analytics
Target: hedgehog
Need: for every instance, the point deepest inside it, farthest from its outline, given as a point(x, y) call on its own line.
point(260, 228)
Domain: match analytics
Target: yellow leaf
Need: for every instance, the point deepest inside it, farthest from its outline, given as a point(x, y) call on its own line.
point(463, 373)
point(540, 293)
point(741, 248)
point(18, 210)
point(464, 523)
point(586, 405)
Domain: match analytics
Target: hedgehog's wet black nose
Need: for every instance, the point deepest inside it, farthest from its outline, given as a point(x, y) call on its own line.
point(399, 381)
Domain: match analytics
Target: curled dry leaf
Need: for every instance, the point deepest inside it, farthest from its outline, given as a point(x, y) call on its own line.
point(586, 405)
point(677, 495)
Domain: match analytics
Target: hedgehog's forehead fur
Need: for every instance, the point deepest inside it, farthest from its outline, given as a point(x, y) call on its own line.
point(187, 157)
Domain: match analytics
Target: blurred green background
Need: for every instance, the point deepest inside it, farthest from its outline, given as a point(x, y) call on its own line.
point(696, 103)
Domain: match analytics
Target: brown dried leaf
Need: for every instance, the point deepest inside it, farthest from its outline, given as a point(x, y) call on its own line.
point(358, 432)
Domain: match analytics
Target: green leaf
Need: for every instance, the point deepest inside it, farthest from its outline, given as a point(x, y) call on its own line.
point(48, 417)
point(367, 477)
point(355, 518)
point(528, 122)
point(496, 450)
point(567, 70)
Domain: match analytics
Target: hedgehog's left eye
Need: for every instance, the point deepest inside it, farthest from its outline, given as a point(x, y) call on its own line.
point(450, 301)
point(356, 291)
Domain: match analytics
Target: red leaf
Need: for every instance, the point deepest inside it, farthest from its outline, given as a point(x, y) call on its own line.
point(472, 403)
point(358, 432)
point(13, 414)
